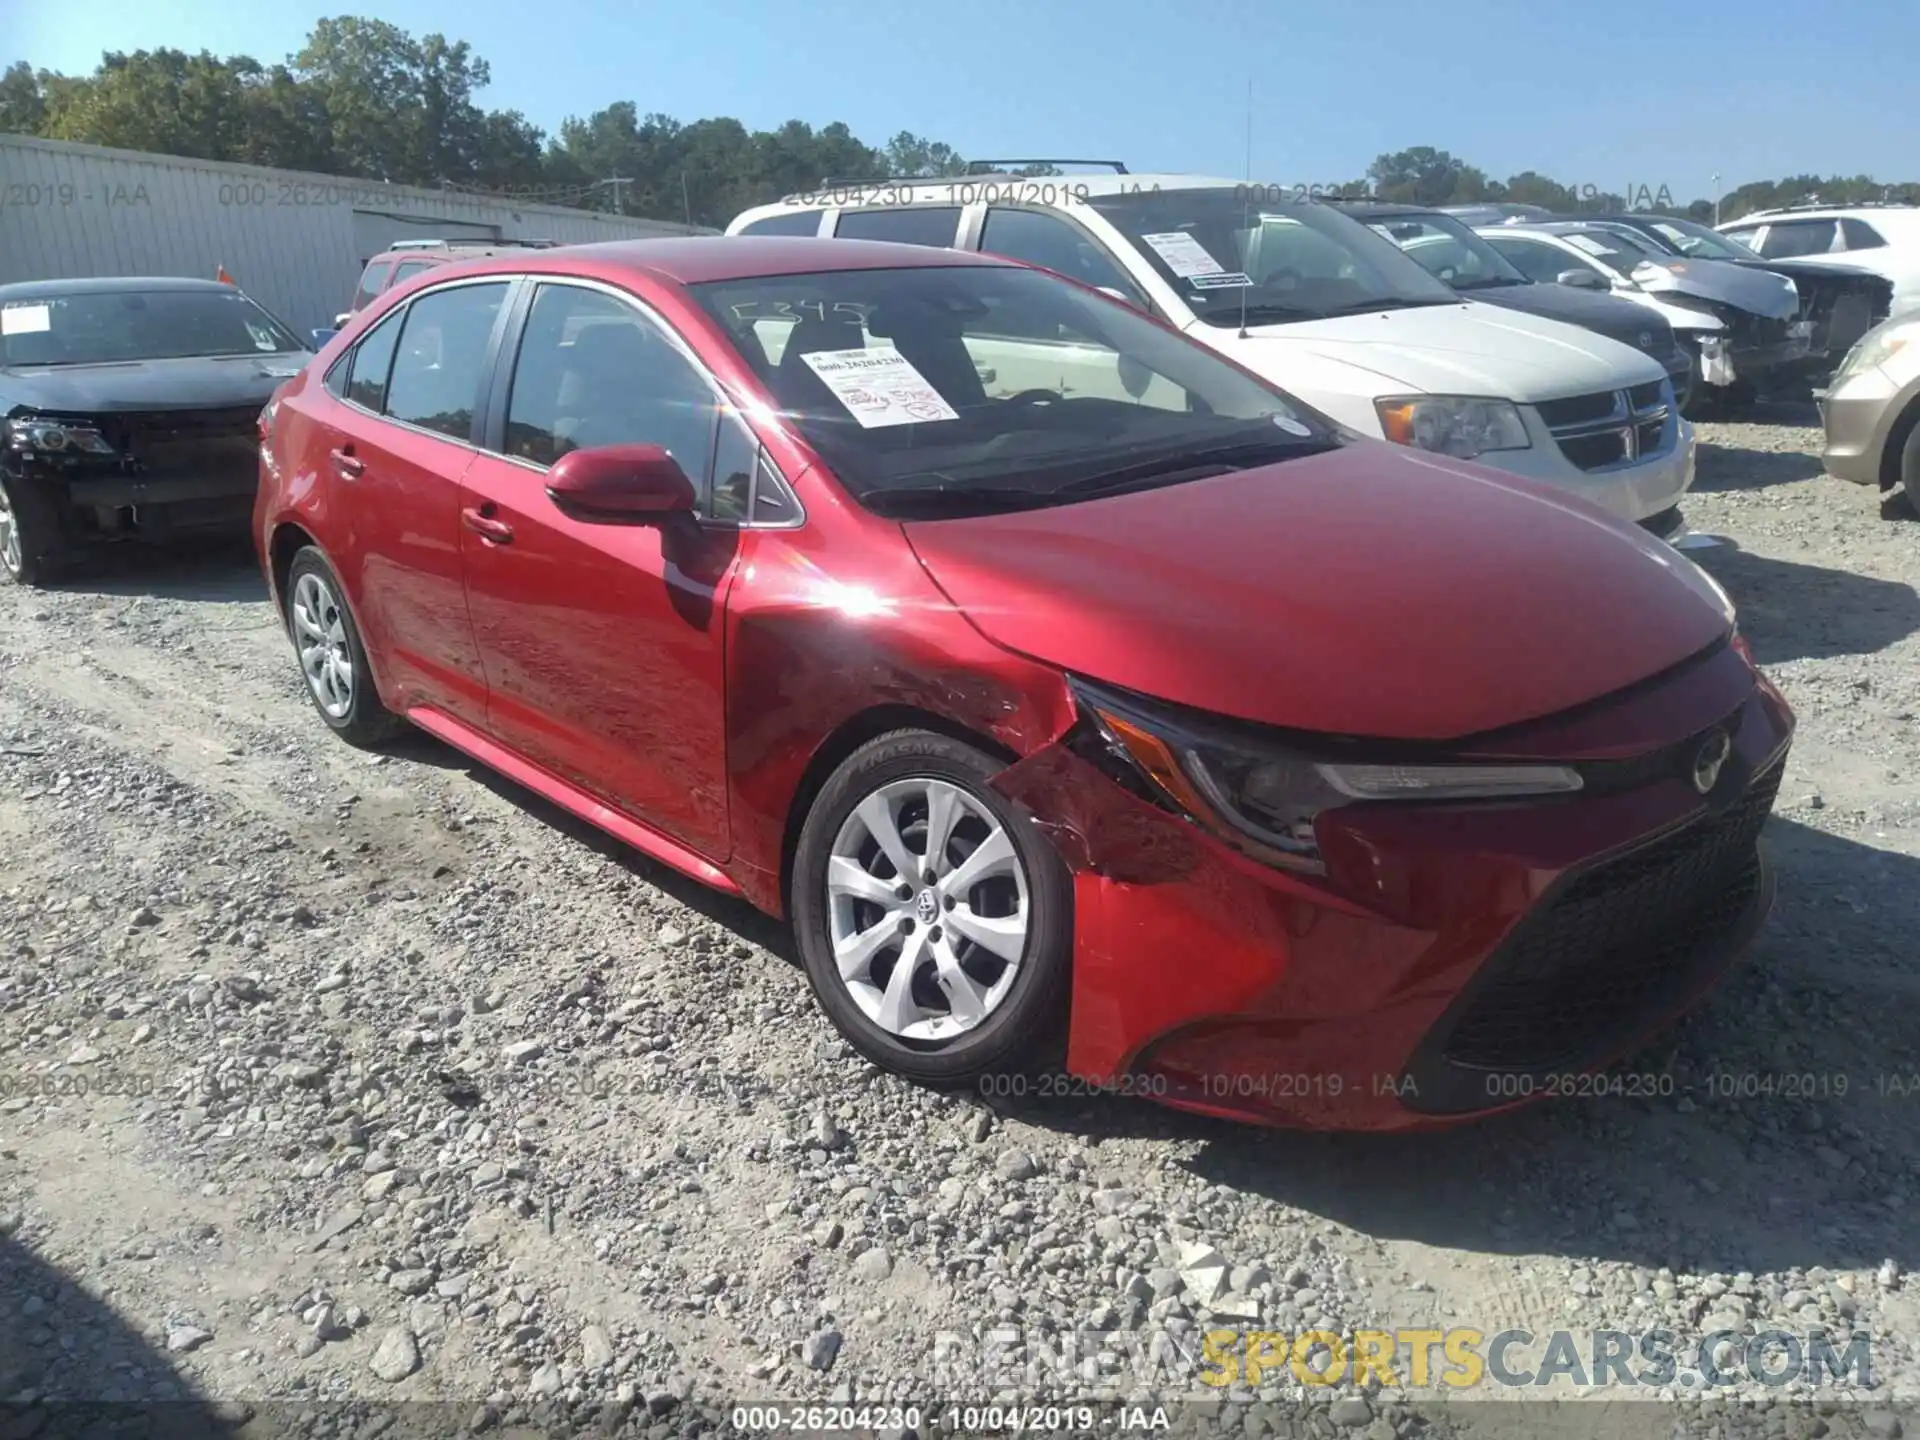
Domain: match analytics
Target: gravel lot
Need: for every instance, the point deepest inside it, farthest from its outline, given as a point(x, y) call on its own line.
point(404, 1086)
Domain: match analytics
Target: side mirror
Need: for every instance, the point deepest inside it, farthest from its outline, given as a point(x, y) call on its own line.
point(322, 335)
point(1581, 280)
point(340, 320)
point(620, 482)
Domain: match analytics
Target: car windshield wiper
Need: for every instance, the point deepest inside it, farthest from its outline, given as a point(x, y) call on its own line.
point(1492, 282)
point(1265, 310)
point(1362, 307)
point(936, 497)
point(1190, 464)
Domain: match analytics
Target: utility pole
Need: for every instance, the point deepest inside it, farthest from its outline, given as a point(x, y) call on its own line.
point(1716, 199)
point(616, 181)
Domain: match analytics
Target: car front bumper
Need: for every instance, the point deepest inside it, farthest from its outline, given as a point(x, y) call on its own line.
point(1458, 960)
point(1857, 415)
point(1635, 491)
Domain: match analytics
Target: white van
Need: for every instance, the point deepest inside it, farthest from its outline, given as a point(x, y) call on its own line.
point(1315, 302)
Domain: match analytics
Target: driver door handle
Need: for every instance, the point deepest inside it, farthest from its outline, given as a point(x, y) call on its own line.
point(346, 465)
point(478, 519)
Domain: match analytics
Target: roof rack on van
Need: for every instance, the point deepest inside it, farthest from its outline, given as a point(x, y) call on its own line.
point(1833, 205)
point(483, 241)
point(982, 167)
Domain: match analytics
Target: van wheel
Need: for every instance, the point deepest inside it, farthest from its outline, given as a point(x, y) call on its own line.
point(332, 658)
point(934, 920)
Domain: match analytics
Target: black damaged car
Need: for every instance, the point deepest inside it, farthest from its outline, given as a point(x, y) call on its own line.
point(129, 410)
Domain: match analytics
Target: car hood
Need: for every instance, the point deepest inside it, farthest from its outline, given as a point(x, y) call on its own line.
point(197, 383)
point(1464, 349)
point(1806, 276)
point(1759, 291)
point(1368, 591)
point(1632, 325)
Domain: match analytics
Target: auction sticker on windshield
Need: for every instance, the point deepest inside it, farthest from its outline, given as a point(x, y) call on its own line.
point(1185, 256)
point(879, 386)
point(26, 319)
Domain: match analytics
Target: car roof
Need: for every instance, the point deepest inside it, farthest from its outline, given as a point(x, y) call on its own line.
point(1901, 214)
point(107, 285)
point(695, 260)
point(1031, 189)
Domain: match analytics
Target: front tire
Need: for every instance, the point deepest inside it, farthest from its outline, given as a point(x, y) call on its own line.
point(934, 920)
point(29, 534)
point(1910, 470)
point(332, 658)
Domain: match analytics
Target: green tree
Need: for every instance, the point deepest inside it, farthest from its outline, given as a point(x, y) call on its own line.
point(23, 108)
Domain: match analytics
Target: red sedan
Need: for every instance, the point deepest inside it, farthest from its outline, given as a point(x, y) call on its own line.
point(1084, 701)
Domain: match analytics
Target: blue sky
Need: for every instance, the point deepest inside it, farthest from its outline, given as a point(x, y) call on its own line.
point(1610, 95)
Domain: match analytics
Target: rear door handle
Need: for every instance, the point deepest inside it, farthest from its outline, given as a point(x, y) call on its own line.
point(485, 526)
point(348, 467)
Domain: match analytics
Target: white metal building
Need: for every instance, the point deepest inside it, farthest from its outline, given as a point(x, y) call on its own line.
point(294, 241)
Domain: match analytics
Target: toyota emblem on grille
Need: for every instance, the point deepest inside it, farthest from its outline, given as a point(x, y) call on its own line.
point(1706, 764)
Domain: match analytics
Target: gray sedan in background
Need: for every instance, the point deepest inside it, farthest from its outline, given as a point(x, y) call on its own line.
point(1871, 410)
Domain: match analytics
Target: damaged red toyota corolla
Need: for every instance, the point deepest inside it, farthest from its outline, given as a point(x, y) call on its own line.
point(1083, 700)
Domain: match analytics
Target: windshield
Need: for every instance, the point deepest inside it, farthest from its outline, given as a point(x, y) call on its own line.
point(1219, 249)
point(1692, 238)
point(1449, 251)
point(957, 387)
point(1611, 248)
point(102, 327)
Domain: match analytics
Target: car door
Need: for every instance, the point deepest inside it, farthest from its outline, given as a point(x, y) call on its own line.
point(404, 437)
point(602, 643)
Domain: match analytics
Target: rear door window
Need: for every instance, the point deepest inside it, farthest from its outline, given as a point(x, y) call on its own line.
point(1859, 235)
point(935, 225)
point(1786, 239)
point(372, 282)
point(793, 222)
point(372, 360)
point(443, 351)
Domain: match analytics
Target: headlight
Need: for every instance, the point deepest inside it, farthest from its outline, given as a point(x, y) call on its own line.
point(56, 436)
point(1876, 347)
point(1462, 426)
point(1264, 798)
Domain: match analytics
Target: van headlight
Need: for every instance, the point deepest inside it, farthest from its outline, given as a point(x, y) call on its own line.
point(1264, 798)
point(1462, 426)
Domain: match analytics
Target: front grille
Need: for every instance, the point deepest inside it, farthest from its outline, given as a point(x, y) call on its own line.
point(1748, 331)
point(1610, 427)
point(1617, 943)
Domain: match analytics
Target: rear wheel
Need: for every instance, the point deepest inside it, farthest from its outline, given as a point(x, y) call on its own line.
point(934, 920)
point(332, 658)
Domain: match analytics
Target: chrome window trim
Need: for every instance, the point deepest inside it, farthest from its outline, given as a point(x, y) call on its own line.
point(400, 312)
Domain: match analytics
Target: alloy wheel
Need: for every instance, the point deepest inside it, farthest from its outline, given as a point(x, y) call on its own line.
point(928, 909)
point(320, 633)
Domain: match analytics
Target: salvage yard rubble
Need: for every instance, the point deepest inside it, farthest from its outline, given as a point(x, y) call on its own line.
point(354, 1077)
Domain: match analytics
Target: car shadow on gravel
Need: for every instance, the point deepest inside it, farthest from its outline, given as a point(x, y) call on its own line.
point(1793, 611)
point(70, 1365)
point(1731, 467)
point(1754, 1160)
point(220, 570)
point(735, 915)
